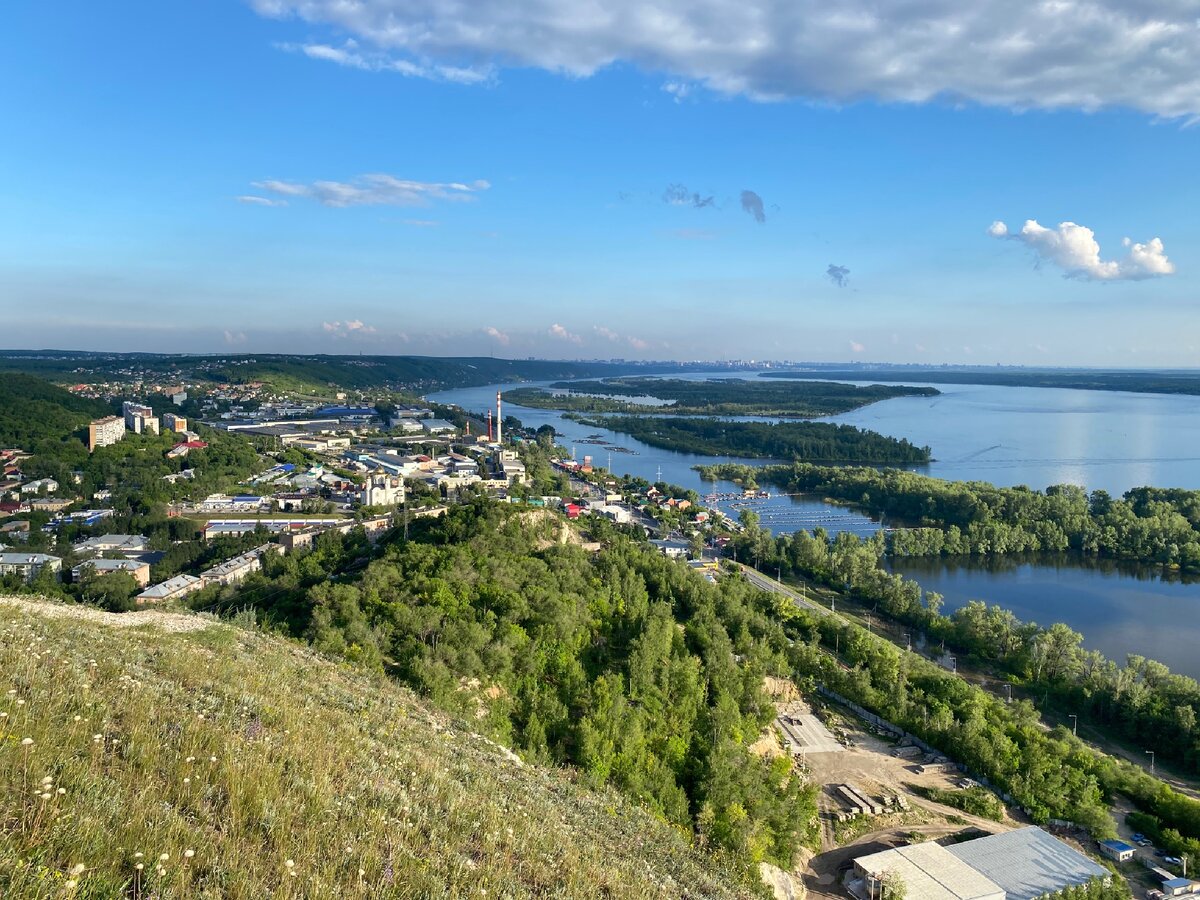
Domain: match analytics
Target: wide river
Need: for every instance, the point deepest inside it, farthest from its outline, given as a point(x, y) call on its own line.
point(1006, 436)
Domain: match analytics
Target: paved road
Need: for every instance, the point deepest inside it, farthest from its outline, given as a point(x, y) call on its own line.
point(758, 579)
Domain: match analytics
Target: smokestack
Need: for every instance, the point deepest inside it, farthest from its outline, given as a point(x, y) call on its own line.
point(499, 419)
point(489, 424)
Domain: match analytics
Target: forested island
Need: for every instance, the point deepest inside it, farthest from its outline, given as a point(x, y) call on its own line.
point(1170, 382)
point(952, 518)
point(715, 397)
point(813, 441)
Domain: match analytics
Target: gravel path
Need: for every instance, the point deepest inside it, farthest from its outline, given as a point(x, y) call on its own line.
point(177, 622)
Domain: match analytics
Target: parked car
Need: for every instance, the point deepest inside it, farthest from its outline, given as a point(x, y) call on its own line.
point(1138, 837)
point(1173, 860)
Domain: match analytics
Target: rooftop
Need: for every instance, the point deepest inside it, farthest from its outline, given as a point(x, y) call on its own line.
point(931, 872)
point(1028, 862)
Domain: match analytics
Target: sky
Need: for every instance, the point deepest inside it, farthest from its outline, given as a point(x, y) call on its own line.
point(872, 180)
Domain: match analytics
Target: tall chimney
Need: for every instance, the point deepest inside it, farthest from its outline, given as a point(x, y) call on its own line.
point(489, 424)
point(499, 419)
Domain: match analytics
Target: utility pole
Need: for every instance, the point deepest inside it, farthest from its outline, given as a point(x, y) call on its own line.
point(1151, 752)
point(954, 664)
point(1074, 724)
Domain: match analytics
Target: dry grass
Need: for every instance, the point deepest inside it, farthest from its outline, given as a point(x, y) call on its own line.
point(138, 762)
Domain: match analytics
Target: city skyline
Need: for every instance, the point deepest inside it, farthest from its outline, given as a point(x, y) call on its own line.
point(292, 177)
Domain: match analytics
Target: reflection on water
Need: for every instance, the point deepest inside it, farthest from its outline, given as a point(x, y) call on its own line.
point(1119, 608)
point(1007, 436)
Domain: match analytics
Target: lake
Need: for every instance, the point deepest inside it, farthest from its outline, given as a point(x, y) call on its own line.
point(1006, 436)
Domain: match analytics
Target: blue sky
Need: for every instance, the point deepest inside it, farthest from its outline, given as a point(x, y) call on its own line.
point(287, 175)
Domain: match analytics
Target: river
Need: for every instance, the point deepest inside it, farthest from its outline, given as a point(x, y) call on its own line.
point(1007, 436)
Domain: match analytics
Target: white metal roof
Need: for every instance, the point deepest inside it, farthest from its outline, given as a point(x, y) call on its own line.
point(931, 872)
point(1028, 862)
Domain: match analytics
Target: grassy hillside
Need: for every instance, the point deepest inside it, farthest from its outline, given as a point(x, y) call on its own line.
point(219, 762)
point(33, 410)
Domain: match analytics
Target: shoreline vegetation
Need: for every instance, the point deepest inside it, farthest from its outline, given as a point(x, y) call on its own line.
point(1071, 379)
point(811, 441)
point(973, 518)
point(716, 397)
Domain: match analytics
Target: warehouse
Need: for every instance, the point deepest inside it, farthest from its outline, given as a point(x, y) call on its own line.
point(1028, 863)
point(929, 872)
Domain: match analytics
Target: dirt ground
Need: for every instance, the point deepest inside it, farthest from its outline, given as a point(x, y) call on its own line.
point(868, 764)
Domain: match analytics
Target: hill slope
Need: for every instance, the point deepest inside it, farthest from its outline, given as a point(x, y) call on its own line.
point(33, 410)
point(250, 752)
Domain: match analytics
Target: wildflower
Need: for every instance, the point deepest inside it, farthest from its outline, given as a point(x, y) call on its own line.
point(164, 857)
point(79, 718)
point(62, 790)
point(188, 854)
point(20, 703)
point(187, 781)
point(139, 867)
point(190, 759)
point(212, 759)
point(77, 870)
point(138, 855)
point(290, 863)
point(70, 883)
point(25, 742)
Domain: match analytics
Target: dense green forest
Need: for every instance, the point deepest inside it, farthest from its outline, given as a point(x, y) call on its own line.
point(312, 372)
point(1168, 382)
point(39, 417)
point(1141, 701)
point(622, 663)
point(817, 441)
point(937, 517)
point(715, 397)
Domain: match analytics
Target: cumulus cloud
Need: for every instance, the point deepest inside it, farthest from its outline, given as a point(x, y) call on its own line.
point(375, 190)
point(839, 275)
point(561, 333)
point(1075, 250)
point(349, 328)
point(1082, 54)
point(679, 195)
point(606, 333)
point(497, 335)
point(753, 204)
point(350, 55)
point(234, 337)
point(252, 200)
point(637, 343)
point(856, 347)
point(679, 90)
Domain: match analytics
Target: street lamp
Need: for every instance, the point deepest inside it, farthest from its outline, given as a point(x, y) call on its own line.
point(1074, 724)
point(908, 641)
point(1008, 687)
point(1151, 752)
point(954, 664)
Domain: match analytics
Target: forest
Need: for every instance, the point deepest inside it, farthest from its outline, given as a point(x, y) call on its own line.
point(623, 664)
point(934, 517)
point(1141, 701)
point(715, 397)
point(815, 441)
point(39, 417)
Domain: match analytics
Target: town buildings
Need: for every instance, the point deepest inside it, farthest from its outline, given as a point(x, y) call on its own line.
point(139, 419)
point(106, 431)
point(105, 543)
point(139, 570)
point(28, 565)
point(172, 422)
point(172, 589)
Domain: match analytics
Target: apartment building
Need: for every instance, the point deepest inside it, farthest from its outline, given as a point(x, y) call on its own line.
point(103, 432)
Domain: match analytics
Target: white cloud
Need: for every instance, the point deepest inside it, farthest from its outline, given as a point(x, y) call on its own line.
point(497, 335)
point(376, 190)
point(234, 337)
point(856, 347)
point(678, 89)
point(561, 333)
point(1075, 250)
point(350, 328)
point(1082, 54)
point(606, 332)
point(260, 201)
point(349, 55)
point(422, 223)
point(638, 344)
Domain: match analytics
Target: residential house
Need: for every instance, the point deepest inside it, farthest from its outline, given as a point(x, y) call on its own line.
point(172, 589)
point(139, 570)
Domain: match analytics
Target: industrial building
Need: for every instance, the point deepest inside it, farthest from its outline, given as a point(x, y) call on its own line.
point(106, 431)
point(1118, 851)
point(1024, 864)
point(929, 872)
